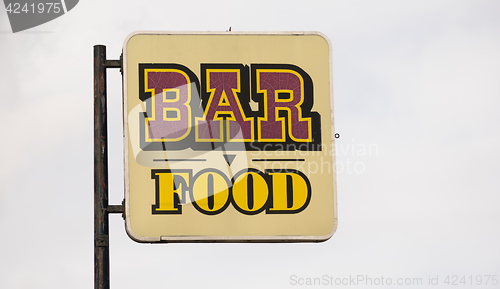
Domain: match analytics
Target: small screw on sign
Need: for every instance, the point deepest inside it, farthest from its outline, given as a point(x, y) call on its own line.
point(337, 135)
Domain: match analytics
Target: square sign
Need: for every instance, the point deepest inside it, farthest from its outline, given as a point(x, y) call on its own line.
point(229, 137)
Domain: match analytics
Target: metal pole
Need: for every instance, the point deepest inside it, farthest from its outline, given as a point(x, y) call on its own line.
point(101, 220)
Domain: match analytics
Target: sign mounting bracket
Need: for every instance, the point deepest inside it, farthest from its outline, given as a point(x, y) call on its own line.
point(101, 207)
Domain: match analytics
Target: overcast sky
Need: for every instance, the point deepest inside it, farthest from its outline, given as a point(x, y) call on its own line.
point(417, 81)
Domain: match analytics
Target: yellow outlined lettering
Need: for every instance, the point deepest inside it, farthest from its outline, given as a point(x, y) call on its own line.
point(166, 100)
point(224, 102)
point(278, 108)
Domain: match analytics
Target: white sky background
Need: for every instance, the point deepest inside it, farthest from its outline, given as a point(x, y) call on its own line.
point(419, 80)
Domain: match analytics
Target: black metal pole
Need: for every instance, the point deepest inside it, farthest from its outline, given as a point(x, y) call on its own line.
point(101, 220)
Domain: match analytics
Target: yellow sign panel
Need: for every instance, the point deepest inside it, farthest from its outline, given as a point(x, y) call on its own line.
point(228, 137)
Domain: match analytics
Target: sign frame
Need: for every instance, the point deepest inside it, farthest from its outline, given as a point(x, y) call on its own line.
point(220, 239)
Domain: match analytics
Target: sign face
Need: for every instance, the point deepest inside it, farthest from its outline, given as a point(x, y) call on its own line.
point(228, 137)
